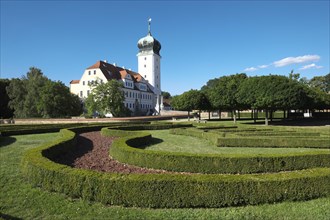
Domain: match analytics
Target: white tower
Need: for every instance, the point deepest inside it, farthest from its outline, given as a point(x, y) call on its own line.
point(149, 64)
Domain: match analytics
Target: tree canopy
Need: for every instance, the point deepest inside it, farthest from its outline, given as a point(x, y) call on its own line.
point(191, 100)
point(5, 111)
point(166, 95)
point(107, 98)
point(34, 95)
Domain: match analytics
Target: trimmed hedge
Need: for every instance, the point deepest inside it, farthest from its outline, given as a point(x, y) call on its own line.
point(126, 150)
point(168, 190)
point(10, 130)
point(274, 142)
point(240, 138)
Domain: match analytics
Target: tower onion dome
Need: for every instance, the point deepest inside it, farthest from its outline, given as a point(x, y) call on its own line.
point(149, 43)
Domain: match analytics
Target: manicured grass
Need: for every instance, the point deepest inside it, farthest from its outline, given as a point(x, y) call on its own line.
point(164, 141)
point(19, 200)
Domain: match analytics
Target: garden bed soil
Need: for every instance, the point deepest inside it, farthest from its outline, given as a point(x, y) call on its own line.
point(92, 152)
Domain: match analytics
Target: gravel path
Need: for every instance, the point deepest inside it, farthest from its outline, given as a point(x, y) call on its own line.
point(92, 152)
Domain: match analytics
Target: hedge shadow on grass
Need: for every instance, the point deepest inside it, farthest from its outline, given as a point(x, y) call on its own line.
point(5, 141)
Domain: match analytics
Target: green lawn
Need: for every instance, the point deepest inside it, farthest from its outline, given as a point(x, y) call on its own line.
point(164, 141)
point(19, 200)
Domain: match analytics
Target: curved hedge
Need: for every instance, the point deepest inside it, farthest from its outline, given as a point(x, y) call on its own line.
point(127, 150)
point(168, 190)
point(243, 138)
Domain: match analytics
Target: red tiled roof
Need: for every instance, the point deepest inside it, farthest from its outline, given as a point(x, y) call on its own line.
point(114, 72)
point(74, 81)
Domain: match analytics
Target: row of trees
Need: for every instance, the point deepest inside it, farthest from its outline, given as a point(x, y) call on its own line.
point(268, 93)
point(34, 95)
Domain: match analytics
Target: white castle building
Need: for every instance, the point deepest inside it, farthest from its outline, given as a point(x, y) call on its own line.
point(142, 90)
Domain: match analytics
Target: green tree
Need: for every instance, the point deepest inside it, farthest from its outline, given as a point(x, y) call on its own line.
point(107, 98)
point(222, 92)
point(34, 95)
point(5, 111)
point(33, 82)
point(191, 100)
point(90, 105)
point(57, 101)
point(272, 92)
point(321, 82)
point(166, 95)
point(17, 92)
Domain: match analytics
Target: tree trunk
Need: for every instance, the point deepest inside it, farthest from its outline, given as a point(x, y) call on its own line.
point(254, 115)
point(209, 115)
point(271, 115)
point(284, 114)
point(234, 114)
point(266, 118)
point(188, 115)
point(239, 114)
point(219, 114)
point(199, 114)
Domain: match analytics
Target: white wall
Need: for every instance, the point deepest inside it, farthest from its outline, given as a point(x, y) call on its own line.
point(83, 84)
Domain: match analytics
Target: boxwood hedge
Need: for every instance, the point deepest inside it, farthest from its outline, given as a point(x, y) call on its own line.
point(168, 190)
point(242, 138)
point(127, 150)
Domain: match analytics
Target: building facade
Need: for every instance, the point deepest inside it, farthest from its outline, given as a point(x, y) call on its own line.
point(142, 90)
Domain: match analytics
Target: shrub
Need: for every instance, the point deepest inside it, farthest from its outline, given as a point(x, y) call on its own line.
point(168, 190)
point(127, 150)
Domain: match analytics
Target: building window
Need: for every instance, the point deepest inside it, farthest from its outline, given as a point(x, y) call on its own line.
point(130, 105)
point(145, 58)
point(89, 72)
point(87, 92)
point(81, 93)
point(130, 94)
point(94, 72)
point(145, 66)
point(83, 83)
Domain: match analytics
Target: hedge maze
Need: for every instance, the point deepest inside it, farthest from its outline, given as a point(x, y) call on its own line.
point(196, 180)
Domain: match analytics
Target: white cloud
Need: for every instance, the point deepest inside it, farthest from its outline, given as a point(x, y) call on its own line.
point(250, 69)
point(311, 66)
point(293, 60)
point(263, 66)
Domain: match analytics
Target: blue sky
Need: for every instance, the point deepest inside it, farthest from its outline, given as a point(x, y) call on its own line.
point(200, 40)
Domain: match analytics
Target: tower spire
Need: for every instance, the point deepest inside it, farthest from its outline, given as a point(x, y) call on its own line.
point(149, 26)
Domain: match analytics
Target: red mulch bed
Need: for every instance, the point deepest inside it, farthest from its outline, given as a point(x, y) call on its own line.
point(92, 152)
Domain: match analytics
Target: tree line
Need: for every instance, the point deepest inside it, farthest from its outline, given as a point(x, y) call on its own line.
point(267, 93)
point(36, 96)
